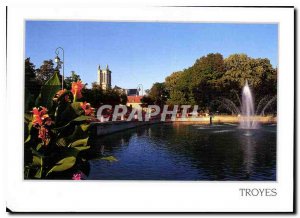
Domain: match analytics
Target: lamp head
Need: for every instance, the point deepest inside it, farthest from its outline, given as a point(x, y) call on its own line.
point(57, 59)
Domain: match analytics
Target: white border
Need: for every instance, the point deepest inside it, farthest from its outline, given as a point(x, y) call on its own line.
point(115, 196)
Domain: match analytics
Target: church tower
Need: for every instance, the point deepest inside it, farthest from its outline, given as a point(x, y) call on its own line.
point(104, 78)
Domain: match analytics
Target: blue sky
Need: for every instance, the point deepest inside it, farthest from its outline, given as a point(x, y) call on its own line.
point(143, 53)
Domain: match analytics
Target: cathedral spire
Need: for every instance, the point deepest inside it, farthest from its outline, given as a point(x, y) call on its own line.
point(106, 66)
point(99, 67)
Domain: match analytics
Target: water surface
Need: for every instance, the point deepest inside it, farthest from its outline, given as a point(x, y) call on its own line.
point(187, 152)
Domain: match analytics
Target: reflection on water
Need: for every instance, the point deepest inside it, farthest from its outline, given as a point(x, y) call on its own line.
point(187, 152)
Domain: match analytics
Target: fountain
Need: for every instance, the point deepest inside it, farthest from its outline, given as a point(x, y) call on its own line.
point(248, 115)
point(247, 110)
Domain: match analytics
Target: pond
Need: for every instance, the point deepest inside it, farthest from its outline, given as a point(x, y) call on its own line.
point(180, 151)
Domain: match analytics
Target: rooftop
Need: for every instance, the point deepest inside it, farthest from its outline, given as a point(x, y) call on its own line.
point(134, 99)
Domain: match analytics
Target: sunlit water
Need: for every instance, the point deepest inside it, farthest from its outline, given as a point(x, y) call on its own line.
point(187, 152)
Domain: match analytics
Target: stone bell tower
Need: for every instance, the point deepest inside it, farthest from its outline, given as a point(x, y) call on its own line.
point(104, 78)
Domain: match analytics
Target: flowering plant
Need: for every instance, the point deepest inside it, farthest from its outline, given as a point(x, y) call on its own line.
point(57, 132)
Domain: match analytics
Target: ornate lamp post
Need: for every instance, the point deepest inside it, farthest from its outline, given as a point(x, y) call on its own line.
point(59, 63)
point(140, 87)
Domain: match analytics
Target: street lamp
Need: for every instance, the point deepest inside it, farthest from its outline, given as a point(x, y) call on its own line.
point(59, 63)
point(139, 89)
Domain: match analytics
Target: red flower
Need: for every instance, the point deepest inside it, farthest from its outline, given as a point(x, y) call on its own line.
point(88, 110)
point(77, 176)
point(37, 120)
point(40, 116)
point(60, 93)
point(41, 121)
point(44, 135)
point(76, 89)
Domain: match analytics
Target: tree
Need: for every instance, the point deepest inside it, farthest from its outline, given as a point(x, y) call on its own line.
point(30, 78)
point(97, 96)
point(29, 71)
point(45, 71)
point(205, 74)
point(158, 93)
point(212, 78)
point(123, 98)
point(73, 78)
point(176, 85)
point(147, 100)
point(259, 73)
point(199, 83)
point(93, 95)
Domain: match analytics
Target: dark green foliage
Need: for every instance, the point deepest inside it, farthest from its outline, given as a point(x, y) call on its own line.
point(45, 71)
point(58, 150)
point(96, 96)
point(48, 91)
point(32, 87)
point(158, 94)
point(212, 77)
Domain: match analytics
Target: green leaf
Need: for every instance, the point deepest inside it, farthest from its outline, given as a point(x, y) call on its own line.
point(29, 126)
point(28, 139)
point(28, 98)
point(81, 118)
point(37, 161)
point(77, 134)
point(61, 142)
point(38, 174)
point(77, 108)
point(78, 119)
point(63, 165)
point(38, 100)
point(80, 142)
point(109, 158)
point(38, 147)
point(27, 132)
point(48, 91)
point(36, 153)
point(28, 117)
point(82, 148)
point(85, 127)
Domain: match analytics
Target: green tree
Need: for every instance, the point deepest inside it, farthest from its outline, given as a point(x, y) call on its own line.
point(73, 78)
point(158, 93)
point(259, 73)
point(45, 71)
point(197, 84)
point(205, 74)
point(94, 95)
point(147, 100)
point(123, 98)
point(212, 77)
point(97, 96)
point(31, 83)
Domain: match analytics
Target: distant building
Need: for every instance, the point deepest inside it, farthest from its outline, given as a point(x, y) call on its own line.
point(128, 92)
point(132, 92)
point(104, 78)
point(119, 89)
point(134, 101)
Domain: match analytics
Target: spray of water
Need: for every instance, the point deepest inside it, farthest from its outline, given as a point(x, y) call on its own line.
point(247, 120)
point(247, 108)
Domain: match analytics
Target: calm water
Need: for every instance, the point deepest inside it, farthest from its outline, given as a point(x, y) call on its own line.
point(187, 152)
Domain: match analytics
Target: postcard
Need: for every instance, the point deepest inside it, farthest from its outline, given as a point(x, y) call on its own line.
point(164, 109)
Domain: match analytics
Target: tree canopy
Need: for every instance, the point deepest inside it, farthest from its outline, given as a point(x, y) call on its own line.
point(210, 78)
point(45, 71)
point(213, 77)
